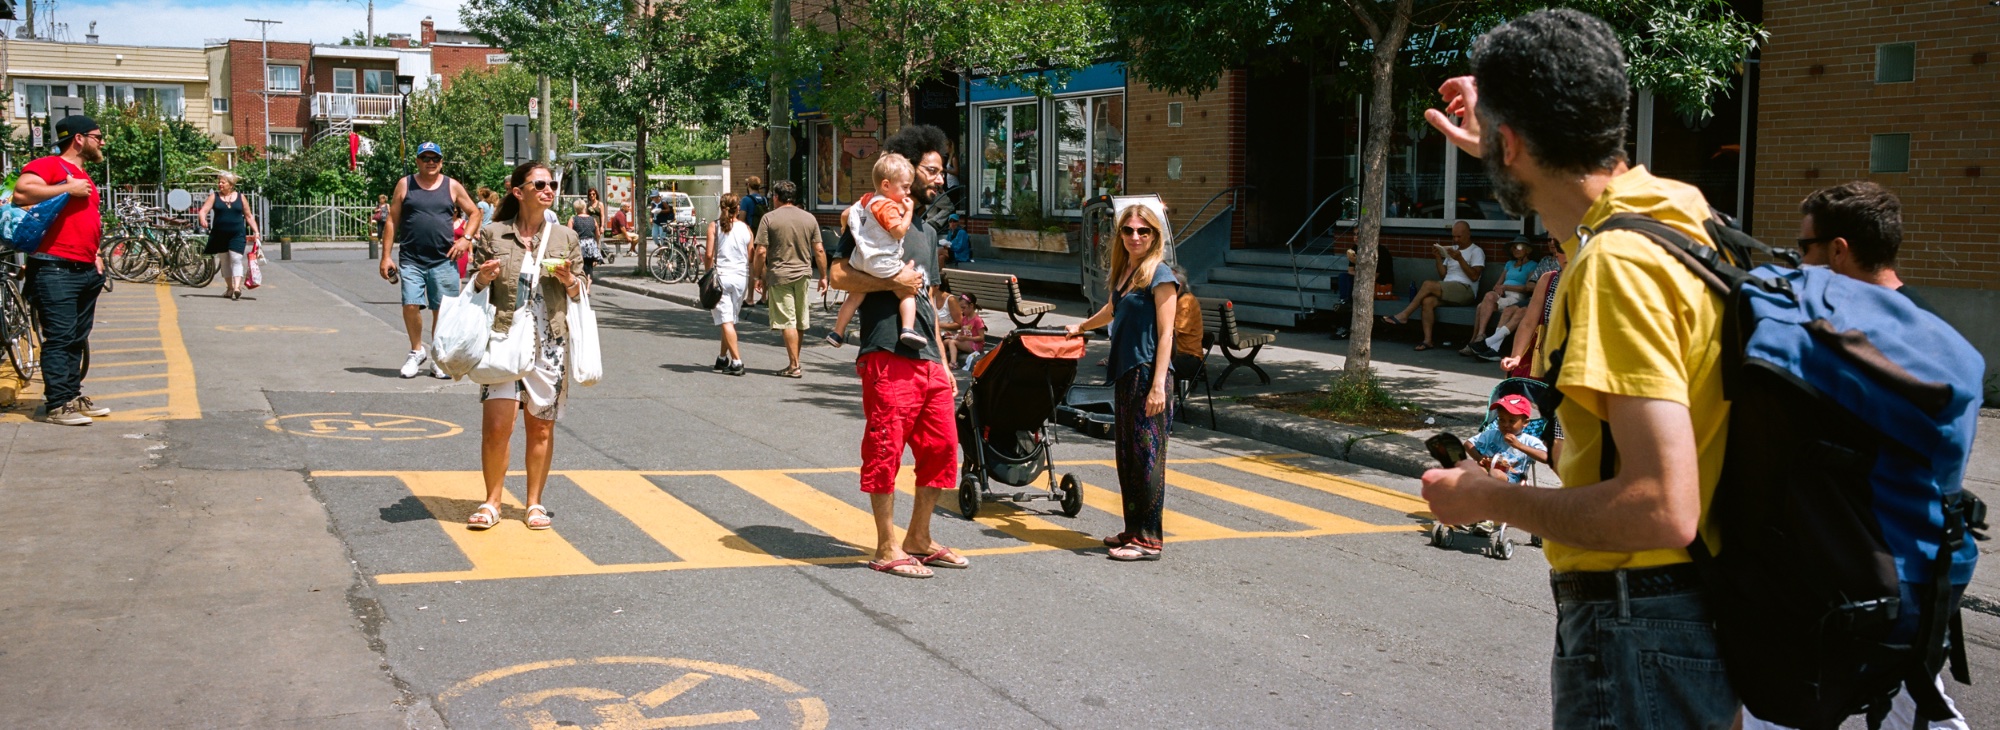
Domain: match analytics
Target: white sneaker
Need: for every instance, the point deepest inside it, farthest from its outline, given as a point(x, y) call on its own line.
point(437, 371)
point(415, 364)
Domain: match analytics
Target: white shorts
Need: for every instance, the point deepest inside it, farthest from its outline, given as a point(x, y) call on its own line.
point(731, 303)
point(543, 386)
point(1512, 299)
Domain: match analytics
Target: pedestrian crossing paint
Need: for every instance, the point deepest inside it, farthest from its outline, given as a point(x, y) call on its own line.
point(139, 365)
point(698, 540)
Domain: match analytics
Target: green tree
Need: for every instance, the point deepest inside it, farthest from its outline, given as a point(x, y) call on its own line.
point(1683, 50)
point(139, 140)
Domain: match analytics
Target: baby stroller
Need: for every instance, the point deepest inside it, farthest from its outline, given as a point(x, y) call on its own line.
point(1003, 421)
point(1497, 543)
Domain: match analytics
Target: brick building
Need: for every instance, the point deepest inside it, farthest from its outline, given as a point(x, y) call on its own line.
point(1901, 93)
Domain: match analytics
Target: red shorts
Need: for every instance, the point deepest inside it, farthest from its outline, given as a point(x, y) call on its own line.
point(907, 403)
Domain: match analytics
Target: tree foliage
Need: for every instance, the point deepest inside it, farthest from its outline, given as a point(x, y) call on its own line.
point(859, 57)
point(138, 139)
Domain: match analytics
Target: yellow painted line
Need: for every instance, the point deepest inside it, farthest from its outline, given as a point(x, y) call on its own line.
point(116, 378)
point(1178, 526)
point(823, 512)
point(95, 365)
point(1318, 519)
point(95, 330)
point(687, 533)
point(1271, 468)
point(123, 350)
point(133, 394)
point(182, 401)
point(127, 339)
point(510, 550)
point(1010, 518)
point(139, 414)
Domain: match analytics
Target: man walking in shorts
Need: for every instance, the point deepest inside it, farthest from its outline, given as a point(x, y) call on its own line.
point(907, 393)
point(788, 246)
point(426, 250)
point(64, 275)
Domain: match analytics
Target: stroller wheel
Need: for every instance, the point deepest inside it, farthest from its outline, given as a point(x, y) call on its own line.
point(1440, 535)
point(1072, 495)
point(968, 496)
point(1535, 540)
point(1503, 550)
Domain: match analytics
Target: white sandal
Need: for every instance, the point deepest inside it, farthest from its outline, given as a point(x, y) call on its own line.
point(548, 520)
point(483, 518)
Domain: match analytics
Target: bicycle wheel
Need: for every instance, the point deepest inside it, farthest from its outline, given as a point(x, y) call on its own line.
point(21, 339)
point(128, 258)
point(668, 265)
point(190, 267)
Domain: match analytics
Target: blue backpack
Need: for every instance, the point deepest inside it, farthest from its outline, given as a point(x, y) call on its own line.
point(1843, 529)
point(24, 228)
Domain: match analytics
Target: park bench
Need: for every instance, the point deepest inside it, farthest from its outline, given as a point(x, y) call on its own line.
point(1000, 292)
point(1218, 318)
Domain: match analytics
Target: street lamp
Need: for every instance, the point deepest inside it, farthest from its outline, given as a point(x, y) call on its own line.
point(403, 86)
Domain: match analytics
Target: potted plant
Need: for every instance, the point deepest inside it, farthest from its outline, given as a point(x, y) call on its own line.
point(1025, 228)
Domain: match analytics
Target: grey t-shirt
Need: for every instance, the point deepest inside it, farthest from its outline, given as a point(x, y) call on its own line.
point(788, 236)
point(878, 309)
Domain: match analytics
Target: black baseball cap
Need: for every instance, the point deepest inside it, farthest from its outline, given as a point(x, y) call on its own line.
point(73, 125)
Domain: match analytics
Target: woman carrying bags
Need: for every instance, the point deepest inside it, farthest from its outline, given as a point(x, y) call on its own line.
point(1144, 298)
point(230, 228)
point(528, 260)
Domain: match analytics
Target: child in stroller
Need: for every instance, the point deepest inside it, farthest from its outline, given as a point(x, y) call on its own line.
point(1507, 447)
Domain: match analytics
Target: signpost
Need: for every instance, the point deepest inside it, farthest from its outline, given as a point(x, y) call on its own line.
point(517, 144)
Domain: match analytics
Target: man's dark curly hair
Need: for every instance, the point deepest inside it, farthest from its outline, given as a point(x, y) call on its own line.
point(1866, 214)
point(1557, 77)
point(914, 141)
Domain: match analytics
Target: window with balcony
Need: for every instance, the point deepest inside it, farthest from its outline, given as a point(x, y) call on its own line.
point(343, 81)
point(281, 78)
point(378, 81)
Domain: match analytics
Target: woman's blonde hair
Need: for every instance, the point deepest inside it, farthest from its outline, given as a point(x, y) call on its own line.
point(226, 177)
point(579, 206)
point(1143, 271)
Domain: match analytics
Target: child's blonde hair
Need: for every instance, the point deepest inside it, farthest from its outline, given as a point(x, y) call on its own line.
point(892, 166)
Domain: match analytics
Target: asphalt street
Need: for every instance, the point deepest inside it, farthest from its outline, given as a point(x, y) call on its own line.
point(282, 544)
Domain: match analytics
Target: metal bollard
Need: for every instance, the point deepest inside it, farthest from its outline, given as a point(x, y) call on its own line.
point(374, 248)
point(284, 249)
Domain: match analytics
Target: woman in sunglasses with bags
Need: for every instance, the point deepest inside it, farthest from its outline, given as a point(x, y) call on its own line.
point(529, 261)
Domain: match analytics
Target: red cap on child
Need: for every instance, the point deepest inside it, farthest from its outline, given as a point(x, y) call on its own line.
point(1515, 404)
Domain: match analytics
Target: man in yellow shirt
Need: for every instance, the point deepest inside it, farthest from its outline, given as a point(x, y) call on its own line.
point(1633, 345)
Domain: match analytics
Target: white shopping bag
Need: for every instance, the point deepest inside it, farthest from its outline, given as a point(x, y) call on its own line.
point(464, 324)
point(586, 364)
point(508, 356)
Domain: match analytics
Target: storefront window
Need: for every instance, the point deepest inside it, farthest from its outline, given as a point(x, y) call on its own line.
point(1010, 159)
point(1416, 175)
point(822, 164)
point(1090, 150)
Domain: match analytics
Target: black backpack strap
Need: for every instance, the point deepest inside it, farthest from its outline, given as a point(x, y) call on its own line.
point(1707, 262)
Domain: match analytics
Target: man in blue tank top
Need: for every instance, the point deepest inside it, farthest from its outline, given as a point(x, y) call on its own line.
point(420, 233)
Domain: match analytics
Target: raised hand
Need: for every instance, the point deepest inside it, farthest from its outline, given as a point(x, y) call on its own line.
point(1461, 100)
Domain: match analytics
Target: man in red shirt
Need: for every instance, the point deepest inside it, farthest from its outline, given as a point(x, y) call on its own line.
point(64, 274)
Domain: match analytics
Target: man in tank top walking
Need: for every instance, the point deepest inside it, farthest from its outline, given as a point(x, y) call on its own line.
point(419, 233)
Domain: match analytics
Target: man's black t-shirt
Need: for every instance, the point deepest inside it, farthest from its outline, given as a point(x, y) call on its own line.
point(1914, 299)
point(878, 309)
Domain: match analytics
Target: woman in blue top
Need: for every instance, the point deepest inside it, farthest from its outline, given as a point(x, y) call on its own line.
point(1141, 314)
point(1516, 280)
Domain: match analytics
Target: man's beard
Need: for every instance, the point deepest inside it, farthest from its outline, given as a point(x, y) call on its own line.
point(1509, 189)
point(91, 154)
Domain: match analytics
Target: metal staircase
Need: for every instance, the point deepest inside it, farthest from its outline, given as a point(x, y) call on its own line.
point(338, 127)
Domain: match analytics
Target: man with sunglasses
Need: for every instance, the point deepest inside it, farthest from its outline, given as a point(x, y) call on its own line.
point(1856, 230)
point(64, 274)
point(421, 234)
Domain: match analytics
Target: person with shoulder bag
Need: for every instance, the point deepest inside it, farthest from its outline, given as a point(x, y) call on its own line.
point(528, 261)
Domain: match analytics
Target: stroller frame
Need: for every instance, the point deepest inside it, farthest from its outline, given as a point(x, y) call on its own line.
point(1498, 544)
point(975, 471)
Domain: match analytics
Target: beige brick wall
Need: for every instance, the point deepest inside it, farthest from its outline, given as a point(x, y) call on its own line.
point(1819, 106)
point(1209, 143)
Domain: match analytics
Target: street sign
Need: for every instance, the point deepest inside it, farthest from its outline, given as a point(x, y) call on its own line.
point(534, 108)
point(38, 138)
point(517, 144)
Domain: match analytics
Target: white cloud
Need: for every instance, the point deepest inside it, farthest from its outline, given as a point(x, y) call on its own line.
point(189, 24)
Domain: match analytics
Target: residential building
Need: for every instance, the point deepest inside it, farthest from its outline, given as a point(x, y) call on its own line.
point(175, 80)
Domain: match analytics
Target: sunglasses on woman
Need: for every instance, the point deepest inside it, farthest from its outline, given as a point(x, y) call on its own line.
point(1130, 231)
point(538, 184)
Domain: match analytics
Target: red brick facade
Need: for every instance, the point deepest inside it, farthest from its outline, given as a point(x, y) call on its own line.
point(1820, 106)
point(289, 111)
point(447, 62)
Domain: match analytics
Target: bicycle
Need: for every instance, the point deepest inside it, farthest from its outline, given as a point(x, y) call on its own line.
point(20, 332)
point(676, 257)
point(147, 241)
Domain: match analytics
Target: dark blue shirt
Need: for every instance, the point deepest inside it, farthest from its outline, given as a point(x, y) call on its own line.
point(1135, 337)
point(878, 312)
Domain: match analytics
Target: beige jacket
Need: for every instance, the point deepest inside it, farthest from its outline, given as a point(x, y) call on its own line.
point(502, 241)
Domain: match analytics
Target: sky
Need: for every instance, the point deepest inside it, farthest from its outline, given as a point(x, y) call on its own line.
point(188, 23)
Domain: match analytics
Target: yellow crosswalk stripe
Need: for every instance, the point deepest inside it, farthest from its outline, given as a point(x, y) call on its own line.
point(1358, 491)
point(122, 350)
point(1178, 525)
point(1315, 518)
point(125, 339)
point(115, 378)
point(132, 394)
point(510, 550)
point(95, 365)
point(1010, 519)
point(823, 512)
point(683, 531)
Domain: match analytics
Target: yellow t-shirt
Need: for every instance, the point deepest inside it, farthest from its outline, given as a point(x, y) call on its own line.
point(1635, 322)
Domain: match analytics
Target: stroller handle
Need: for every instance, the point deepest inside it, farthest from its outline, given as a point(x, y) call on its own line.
point(1050, 332)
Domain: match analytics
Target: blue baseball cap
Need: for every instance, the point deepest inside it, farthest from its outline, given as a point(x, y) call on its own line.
point(431, 147)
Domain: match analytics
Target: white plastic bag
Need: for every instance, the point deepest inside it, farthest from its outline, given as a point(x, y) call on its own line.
point(586, 364)
point(465, 322)
point(510, 356)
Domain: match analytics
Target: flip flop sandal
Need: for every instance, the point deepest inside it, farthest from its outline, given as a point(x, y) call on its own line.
point(1422, 346)
point(945, 558)
point(791, 372)
point(535, 511)
point(483, 518)
point(1386, 319)
point(1118, 540)
point(1133, 552)
point(896, 567)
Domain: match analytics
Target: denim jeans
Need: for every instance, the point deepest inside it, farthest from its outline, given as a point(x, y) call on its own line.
point(1635, 663)
point(66, 303)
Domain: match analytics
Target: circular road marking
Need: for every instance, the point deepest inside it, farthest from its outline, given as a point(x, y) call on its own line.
point(616, 692)
point(295, 329)
point(364, 426)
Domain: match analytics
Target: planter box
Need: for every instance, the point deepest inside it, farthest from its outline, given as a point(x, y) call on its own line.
point(1020, 240)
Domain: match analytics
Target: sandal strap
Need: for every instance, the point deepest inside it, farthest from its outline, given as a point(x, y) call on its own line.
point(533, 508)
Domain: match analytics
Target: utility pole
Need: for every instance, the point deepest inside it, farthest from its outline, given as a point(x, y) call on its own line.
point(546, 150)
point(28, 20)
point(371, 23)
point(778, 130)
point(264, 38)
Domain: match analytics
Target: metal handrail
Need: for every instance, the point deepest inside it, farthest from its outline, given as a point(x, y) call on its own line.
point(1235, 198)
point(1298, 285)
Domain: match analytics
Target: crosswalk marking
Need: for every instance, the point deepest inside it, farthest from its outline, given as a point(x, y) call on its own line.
point(698, 541)
point(683, 531)
point(169, 361)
